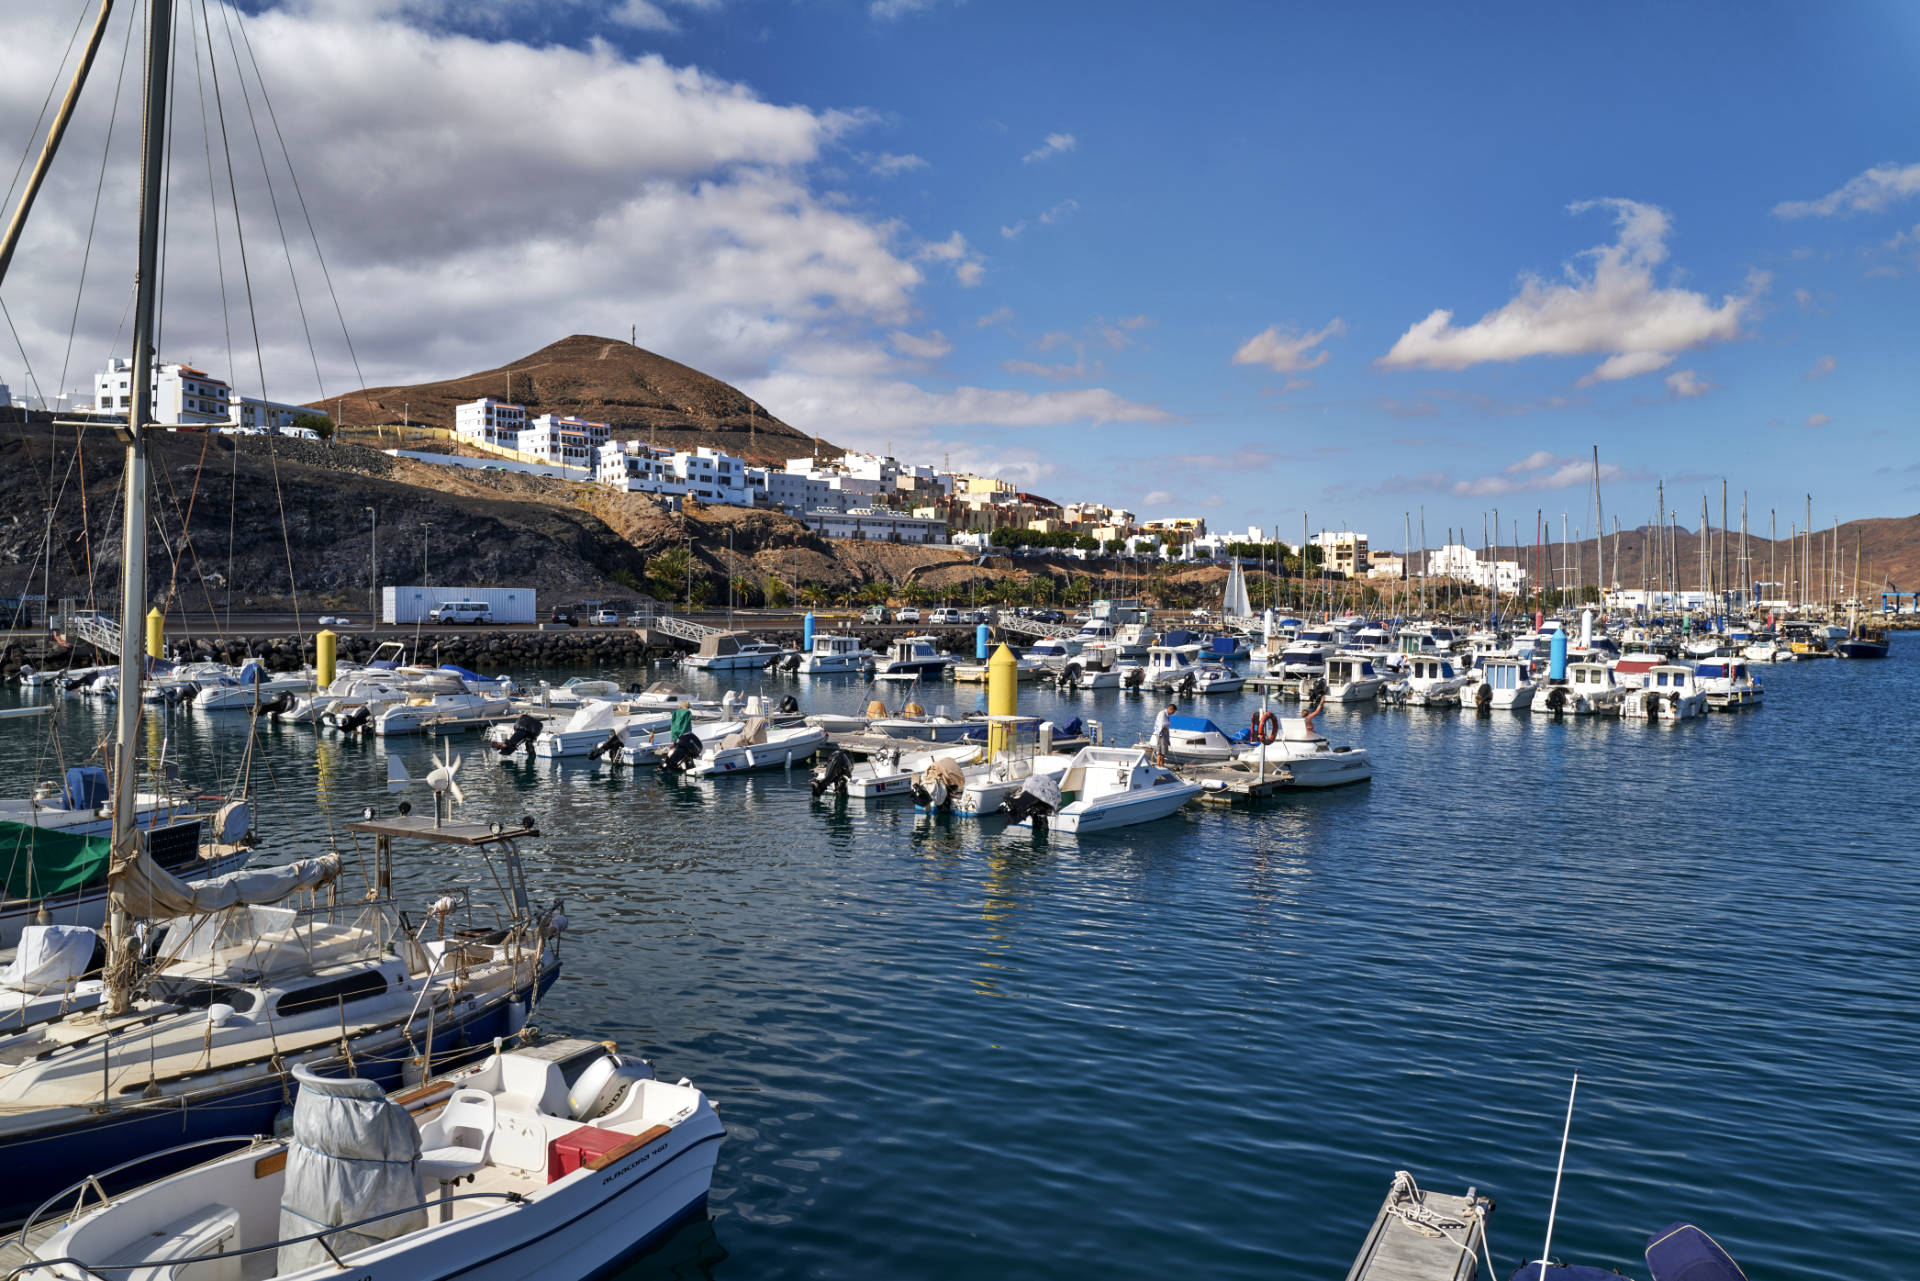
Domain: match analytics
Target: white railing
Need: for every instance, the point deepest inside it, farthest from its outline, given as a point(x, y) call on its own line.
point(1011, 622)
point(97, 630)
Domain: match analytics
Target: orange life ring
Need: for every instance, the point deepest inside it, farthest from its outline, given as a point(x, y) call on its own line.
point(1266, 727)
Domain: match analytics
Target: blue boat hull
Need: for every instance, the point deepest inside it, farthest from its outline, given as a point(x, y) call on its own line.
point(1862, 649)
point(61, 1156)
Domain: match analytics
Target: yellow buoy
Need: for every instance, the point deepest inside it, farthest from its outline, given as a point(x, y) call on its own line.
point(156, 633)
point(1003, 697)
point(326, 649)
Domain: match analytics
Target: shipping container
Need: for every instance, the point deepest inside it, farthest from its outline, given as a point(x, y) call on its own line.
point(403, 605)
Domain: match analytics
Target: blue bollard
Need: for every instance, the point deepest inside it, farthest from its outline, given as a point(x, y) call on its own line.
point(1557, 656)
point(980, 642)
point(806, 633)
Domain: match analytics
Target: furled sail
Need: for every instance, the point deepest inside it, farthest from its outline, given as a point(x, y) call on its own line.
point(143, 889)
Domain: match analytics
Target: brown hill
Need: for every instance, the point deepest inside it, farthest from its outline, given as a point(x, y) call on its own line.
point(640, 394)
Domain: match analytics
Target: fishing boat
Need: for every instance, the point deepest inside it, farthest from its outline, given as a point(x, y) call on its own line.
point(733, 651)
point(1352, 679)
point(552, 1159)
point(1432, 682)
point(1501, 684)
point(1591, 689)
point(1864, 640)
point(1669, 694)
point(1102, 789)
point(1729, 684)
point(1302, 757)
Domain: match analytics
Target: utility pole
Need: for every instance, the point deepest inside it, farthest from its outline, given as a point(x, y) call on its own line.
point(426, 536)
point(373, 571)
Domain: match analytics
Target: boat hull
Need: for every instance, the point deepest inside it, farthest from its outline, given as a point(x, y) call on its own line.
point(1862, 649)
point(1151, 807)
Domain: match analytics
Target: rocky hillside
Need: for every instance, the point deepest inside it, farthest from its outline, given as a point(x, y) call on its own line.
point(642, 395)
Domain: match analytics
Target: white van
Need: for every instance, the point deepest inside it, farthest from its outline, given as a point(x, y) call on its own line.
point(947, 616)
point(461, 611)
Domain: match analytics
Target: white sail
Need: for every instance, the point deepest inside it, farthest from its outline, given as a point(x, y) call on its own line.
point(1237, 605)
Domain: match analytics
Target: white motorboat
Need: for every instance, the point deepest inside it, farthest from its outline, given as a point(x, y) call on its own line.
point(1591, 689)
point(653, 747)
point(1670, 694)
point(1501, 683)
point(758, 746)
point(1351, 678)
point(1133, 640)
point(913, 656)
point(438, 703)
point(1433, 682)
point(886, 773)
point(1103, 788)
point(1195, 740)
point(1306, 654)
point(554, 1159)
point(1053, 652)
point(1093, 669)
point(251, 687)
point(1765, 649)
point(1302, 757)
point(1178, 667)
point(597, 725)
point(347, 692)
point(1729, 684)
point(833, 655)
point(661, 695)
point(733, 651)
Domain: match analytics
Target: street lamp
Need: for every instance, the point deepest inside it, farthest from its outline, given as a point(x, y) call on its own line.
point(373, 571)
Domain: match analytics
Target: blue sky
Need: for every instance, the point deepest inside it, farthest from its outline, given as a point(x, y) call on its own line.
point(1036, 237)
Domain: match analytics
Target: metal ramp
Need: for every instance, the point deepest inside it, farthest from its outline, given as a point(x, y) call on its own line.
point(680, 628)
point(1033, 627)
point(97, 630)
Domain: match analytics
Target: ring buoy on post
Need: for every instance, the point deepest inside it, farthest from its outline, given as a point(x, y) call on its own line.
point(1266, 727)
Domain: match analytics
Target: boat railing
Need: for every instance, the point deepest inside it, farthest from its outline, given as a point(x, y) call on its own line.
point(102, 1270)
point(92, 1184)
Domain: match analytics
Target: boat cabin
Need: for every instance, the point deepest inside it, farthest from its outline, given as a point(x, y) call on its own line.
point(718, 645)
point(1410, 641)
point(1671, 677)
point(1345, 669)
point(1586, 678)
point(1504, 673)
point(1430, 669)
point(829, 645)
point(1171, 658)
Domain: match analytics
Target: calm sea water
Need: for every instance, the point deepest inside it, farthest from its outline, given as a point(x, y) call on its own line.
point(1204, 1046)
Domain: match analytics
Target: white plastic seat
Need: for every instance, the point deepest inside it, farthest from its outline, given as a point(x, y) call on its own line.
point(456, 1143)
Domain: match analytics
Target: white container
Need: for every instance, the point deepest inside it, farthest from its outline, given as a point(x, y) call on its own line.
point(402, 605)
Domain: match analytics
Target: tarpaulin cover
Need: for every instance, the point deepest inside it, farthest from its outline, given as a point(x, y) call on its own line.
point(1682, 1252)
point(143, 889)
point(1565, 1272)
point(354, 1153)
point(682, 722)
point(48, 956)
point(39, 862)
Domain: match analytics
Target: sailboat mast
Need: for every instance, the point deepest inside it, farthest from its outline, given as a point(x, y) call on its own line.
point(1599, 535)
point(133, 545)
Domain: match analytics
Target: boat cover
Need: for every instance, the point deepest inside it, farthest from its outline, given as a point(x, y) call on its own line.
point(354, 1154)
point(1682, 1252)
point(751, 734)
point(48, 956)
point(87, 788)
point(148, 891)
point(1195, 725)
point(593, 715)
point(37, 862)
point(463, 673)
point(1566, 1272)
point(1178, 637)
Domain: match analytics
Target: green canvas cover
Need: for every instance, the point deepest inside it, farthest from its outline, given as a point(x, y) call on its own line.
point(38, 863)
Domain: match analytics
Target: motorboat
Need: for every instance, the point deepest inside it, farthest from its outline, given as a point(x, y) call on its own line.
point(758, 746)
point(576, 690)
point(439, 703)
point(1303, 758)
point(1195, 740)
point(556, 1158)
point(913, 656)
point(1805, 640)
point(1306, 654)
point(1352, 679)
point(1093, 669)
point(1729, 684)
point(1501, 683)
point(1765, 648)
point(1433, 682)
point(347, 692)
point(248, 689)
point(887, 773)
point(653, 747)
point(1178, 667)
point(733, 651)
point(1133, 640)
point(599, 724)
point(833, 654)
point(502, 686)
point(1670, 694)
point(1863, 641)
point(1372, 640)
point(1014, 749)
point(1103, 788)
point(1591, 689)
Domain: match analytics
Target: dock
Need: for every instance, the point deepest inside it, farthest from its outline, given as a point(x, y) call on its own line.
point(1236, 783)
point(1424, 1236)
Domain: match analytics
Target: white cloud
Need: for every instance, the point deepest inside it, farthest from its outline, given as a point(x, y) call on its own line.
point(1056, 144)
point(885, 164)
point(1618, 311)
point(874, 409)
point(641, 15)
point(1821, 368)
point(1536, 472)
point(931, 346)
point(967, 267)
point(998, 316)
point(888, 10)
point(1686, 384)
point(1059, 211)
point(1288, 352)
point(1156, 498)
point(1012, 230)
point(1818, 420)
point(1869, 192)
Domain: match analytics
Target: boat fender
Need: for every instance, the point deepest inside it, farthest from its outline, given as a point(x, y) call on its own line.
point(1266, 727)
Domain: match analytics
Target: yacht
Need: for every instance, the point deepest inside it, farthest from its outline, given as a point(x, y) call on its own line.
point(1308, 759)
point(1307, 653)
point(1502, 683)
point(1433, 682)
point(833, 654)
point(1729, 684)
point(1669, 694)
point(913, 656)
point(1132, 640)
point(733, 651)
point(1175, 667)
point(1351, 679)
point(1053, 652)
point(1104, 788)
point(554, 1158)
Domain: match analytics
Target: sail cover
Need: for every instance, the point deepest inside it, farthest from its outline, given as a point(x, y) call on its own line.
point(354, 1154)
point(146, 890)
point(39, 862)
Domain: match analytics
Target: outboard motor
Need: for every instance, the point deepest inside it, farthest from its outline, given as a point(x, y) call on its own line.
point(277, 704)
point(611, 747)
point(684, 752)
point(635, 687)
point(1186, 684)
point(356, 720)
point(791, 663)
point(1483, 697)
point(525, 730)
point(930, 794)
point(1035, 802)
point(1557, 699)
point(1136, 677)
point(789, 705)
point(834, 776)
point(1069, 677)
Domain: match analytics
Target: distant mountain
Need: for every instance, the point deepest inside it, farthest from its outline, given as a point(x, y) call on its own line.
point(642, 395)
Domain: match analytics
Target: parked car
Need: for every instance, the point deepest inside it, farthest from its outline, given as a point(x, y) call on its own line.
point(1050, 616)
point(461, 611)
point(874, 614)
point(605, 617)
point(985, 614)
point(334, 620)
point(907, 614)
point(639, 618)
point(947, 616)
point(565, 617)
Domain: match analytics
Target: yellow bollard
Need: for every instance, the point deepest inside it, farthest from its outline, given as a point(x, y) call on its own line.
point(1003, 697)
point(156, 633)
point(326, 648)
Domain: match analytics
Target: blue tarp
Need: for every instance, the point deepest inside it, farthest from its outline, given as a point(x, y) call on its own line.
point(1195, 725)
point(1565, 1272)
point(1178, 636)
point(86, 787)
point(1682, 1252)
point(463, 673)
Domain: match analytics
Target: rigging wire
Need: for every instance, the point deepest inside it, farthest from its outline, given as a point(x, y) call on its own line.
point(59, 74)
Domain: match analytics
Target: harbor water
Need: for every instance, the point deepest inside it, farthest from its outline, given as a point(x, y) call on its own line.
point(1203, 1046)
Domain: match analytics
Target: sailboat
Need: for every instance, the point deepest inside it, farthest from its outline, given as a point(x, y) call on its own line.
point(1235, 606)
point(198, 1031)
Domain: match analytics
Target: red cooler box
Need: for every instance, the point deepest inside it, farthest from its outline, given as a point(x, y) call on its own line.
point(577, 1147)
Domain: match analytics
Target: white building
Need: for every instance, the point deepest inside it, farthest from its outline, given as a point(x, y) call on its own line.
point(877, 525)
point(569, 442)
point(1460, 562)
point(490, 422)
point(185, 397)
point(1343, 551)
point(705, 474)
point(794, 492)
